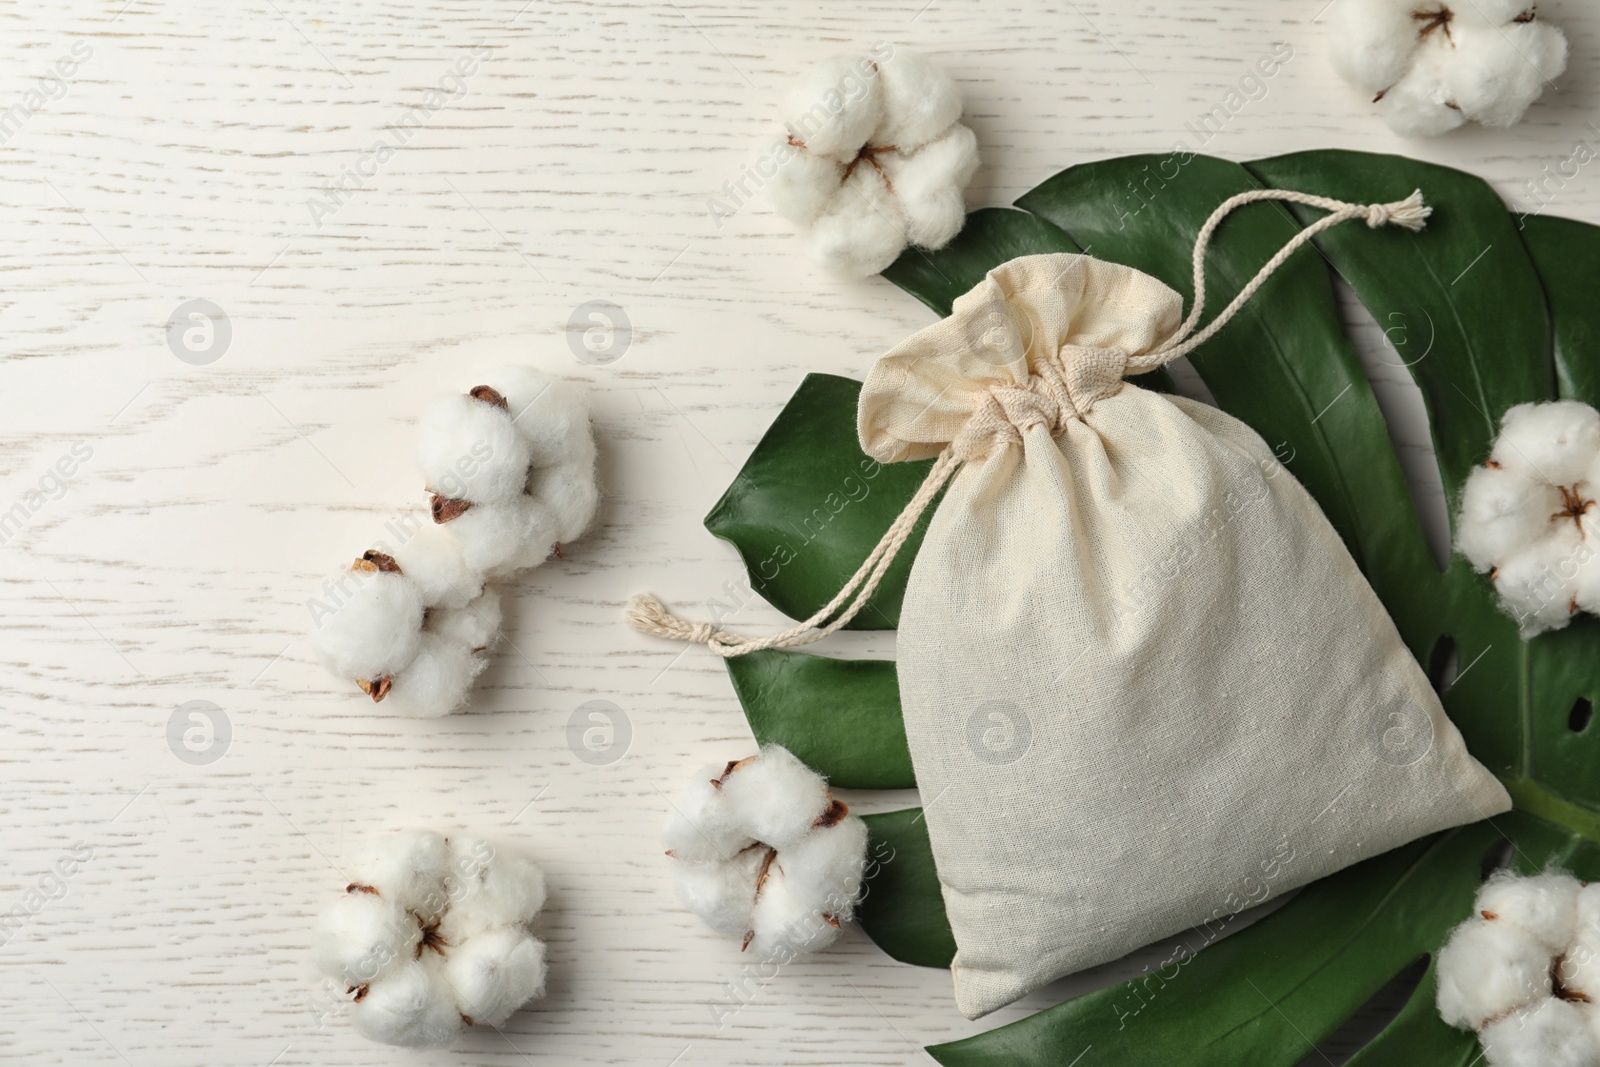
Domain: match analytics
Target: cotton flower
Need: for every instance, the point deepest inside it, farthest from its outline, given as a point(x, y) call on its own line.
point(510, 467)
point(1550, 1033)
point(874, 159)
point(1541, 906)
point(1487, 969)
point(1432, 65)
point(452, 651)
point(1529, 516)
point(1580, 963)
point(1519, 971)
point(521, 455)
point(761, 851)
point(376, 629)
point(431, 936)
point(420, 657)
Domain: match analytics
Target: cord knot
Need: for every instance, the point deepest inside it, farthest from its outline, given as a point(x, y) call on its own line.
point(1410, 213)
point(648, 615)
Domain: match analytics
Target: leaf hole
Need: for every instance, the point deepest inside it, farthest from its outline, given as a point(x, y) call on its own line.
point(1368, 1021)
point(1582, 712)
point(1496, 857)
point(1444, 662)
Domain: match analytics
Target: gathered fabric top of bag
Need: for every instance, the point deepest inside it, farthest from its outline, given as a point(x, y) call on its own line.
point(1103, 321)
point(1041, 339)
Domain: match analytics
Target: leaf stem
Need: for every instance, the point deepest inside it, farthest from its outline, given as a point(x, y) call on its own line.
point(1536, 800)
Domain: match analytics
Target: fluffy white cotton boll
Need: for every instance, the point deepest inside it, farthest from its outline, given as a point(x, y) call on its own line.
point(1433, 67)
point(1588, 907)
point(522, 386)
point(1538, 585)
point(858, 201)
point(1500, 70)
point(1554, 442)
point(1587, 560)
point(1580, 969)
point(804, 184)
point(920, 101)
point(930, 182)
point(498, 885)
point(499, 539)
point(1580, 962)
point(432, 560)
point(407, 868)
point(1590, 485)
point(776, 798)
point(1371, 41)
point(1588, 911)
point(570, 492)
point(701, 824)
point(865, 230)
point(760, 849)
point(785, 923)
point(1418, 105)
point(824, 869)
point(495, 972)
point(835, 105)
point(1488, 968)
point(366, 624)
point(469, 450)
point(1528, 517)
point(1544, 906)
point(409, 1008)
point(722, 894)
point(445, 937)
point(437, 679)
point(1501, 512)
point(572, 445)
point(538, 532)
point(551, 413)
point(361, 937)
point(1551, 1033)
point(475, 626)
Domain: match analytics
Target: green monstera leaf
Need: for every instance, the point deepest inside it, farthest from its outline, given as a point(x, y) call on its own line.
point(1485, 311)
point(778, 690)
point(807, 497)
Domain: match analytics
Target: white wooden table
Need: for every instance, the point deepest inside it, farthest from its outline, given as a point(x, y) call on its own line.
point(188, 157)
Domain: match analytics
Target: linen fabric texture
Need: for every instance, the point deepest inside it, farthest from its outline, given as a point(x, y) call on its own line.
point(1143, 681)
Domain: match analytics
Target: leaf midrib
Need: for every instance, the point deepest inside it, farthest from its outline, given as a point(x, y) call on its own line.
point(1279, 356)
point(1482, 403)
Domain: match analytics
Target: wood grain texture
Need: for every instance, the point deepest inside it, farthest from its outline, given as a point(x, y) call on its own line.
point(180, 161)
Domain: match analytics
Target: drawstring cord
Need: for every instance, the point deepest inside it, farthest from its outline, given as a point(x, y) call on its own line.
point(648, 615)
point(1410, 213)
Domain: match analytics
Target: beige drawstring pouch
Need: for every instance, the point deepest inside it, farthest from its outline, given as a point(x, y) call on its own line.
point(1144, 683)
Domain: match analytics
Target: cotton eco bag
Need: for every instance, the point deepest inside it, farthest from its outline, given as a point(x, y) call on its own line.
point(1144, 683)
